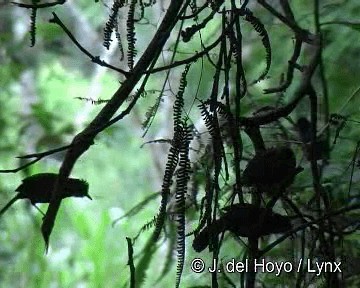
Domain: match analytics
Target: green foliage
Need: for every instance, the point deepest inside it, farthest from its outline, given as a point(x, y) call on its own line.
point(44, 111)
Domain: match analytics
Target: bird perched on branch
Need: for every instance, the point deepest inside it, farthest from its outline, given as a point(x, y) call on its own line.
point(38, 189)
point(305, 132)
point(275, 166)
point(245, 220)
point(304, 129)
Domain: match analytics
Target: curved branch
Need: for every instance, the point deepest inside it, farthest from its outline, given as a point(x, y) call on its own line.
point(305, 225)
point(44, 5)
point(301, 91)
point(84, 139)
point(37, 156)
point(95, 59)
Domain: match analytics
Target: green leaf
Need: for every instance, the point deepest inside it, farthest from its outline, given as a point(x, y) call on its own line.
point(144, 262)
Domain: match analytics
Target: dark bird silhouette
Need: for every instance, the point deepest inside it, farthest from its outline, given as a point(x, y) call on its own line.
point(245, 220)
point(320, 146)
point(275, 166)
point(304, 129)
point(38, 189)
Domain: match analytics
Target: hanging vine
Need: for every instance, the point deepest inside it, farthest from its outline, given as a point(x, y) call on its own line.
point(233, 145)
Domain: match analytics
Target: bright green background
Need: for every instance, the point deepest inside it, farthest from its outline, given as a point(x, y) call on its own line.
point(86, 250)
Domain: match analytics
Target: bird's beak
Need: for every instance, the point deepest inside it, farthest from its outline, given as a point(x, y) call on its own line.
point(88, 196)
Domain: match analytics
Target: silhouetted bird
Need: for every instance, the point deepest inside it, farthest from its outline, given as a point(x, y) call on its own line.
point(275, 166)
point(304, 128)
point(38, 189)
point(245, 220)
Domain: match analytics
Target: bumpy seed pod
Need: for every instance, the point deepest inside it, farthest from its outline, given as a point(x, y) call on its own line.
point(245, 220)
point(275, 166)
point(38, 189)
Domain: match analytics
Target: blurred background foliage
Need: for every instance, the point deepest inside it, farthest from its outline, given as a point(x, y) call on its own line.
point(39, 111)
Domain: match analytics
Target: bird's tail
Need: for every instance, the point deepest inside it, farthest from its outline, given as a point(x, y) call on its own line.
point(202, 240)
point(7, 206)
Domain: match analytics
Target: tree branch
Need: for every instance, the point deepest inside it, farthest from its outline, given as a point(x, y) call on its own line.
point(36, 6)
point(95, 59)
point(301, 91)
point(84, 139)
point(37, 156)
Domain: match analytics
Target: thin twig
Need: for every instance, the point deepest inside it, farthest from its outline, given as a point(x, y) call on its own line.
point(305, 225)
point(36, 6)
point(290, 71)
point(131, 262)
point(95, 59)
point(299, 94)
point(37, 156)
point(302, 33)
